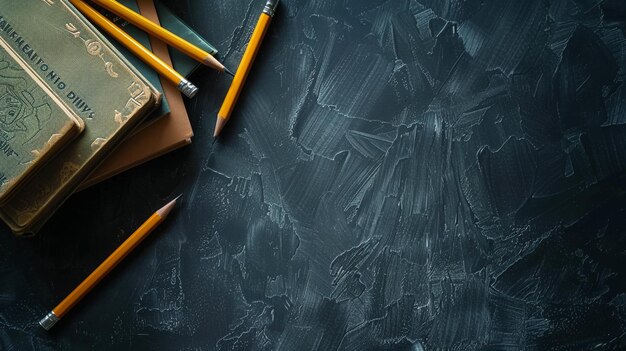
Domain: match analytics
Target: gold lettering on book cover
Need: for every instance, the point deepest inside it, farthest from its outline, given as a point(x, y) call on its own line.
point(136, 90)
point(54, 138)
point(119, 118)
point(94, 48)
point(97, 144)
point(138, 98)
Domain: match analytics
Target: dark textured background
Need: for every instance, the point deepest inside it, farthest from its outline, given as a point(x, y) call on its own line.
point(399, 175)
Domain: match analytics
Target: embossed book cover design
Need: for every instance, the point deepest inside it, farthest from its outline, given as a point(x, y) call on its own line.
point(174, 129)
point(34, 123)
point(182, 63)
point(77, 62)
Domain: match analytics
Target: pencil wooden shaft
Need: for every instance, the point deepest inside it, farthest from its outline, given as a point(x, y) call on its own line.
point(129, 42)
point(159, 32)
point(242, 72)
point(107, 266)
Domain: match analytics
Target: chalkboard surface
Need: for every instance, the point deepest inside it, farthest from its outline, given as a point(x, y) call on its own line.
point(398, 175)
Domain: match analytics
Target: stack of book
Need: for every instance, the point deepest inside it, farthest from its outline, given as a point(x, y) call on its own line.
point(76, 108)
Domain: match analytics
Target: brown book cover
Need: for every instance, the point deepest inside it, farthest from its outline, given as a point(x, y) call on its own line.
point(166, 134)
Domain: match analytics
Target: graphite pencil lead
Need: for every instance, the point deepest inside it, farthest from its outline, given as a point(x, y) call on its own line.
point(165, 210)
point(219, 125)
point(229, 72)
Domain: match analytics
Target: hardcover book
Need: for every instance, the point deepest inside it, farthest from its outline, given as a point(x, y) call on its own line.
point(34, 122)
point(181, 62)
point(92, 77)
point(173, 130)
point(143, 38)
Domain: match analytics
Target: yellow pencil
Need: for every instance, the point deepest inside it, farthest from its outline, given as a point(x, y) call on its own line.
point(185, 86)
point(245, 66)
point(107, 266)
point(166, 36)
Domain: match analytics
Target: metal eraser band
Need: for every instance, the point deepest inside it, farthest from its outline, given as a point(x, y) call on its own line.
point(49, 321)
point(187, 88)
point(270, 7)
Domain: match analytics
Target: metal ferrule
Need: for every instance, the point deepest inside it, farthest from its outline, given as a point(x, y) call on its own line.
point(270, 7)
point(187, 88)
point(49, 321)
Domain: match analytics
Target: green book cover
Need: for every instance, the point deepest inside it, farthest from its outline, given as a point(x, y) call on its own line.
point(34, 123)
point(182, 63)
point(92, 78)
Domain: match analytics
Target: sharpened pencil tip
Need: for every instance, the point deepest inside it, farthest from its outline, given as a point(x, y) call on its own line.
point(165, 210)
point(229, 72)
point(214, 140)
point(219, 125)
